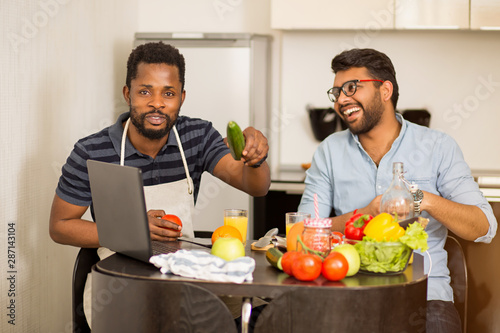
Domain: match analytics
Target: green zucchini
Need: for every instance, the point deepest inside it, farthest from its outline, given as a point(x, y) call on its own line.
point(273, 256)
point(235, 139)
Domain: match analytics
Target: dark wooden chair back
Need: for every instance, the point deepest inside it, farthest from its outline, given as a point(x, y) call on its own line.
point(458, 273)
point(85, 259)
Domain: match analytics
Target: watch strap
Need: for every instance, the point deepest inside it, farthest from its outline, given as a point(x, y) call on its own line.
point(258, 164)
point(418, 196)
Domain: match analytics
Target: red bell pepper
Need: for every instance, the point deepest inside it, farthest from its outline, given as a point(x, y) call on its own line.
point(354, 228)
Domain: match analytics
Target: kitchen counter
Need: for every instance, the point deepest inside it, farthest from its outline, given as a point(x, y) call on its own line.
point(290, 181)
point(489, 183)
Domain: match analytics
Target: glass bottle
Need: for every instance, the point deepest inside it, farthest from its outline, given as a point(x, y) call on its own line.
point(397, 200)
point(317, 235)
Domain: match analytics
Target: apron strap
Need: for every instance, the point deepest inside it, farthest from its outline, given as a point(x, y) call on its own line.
point(188, 177)
point(124, 139)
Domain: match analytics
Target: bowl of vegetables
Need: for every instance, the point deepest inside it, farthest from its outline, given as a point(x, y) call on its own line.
point(387, 244)
point(383, 257)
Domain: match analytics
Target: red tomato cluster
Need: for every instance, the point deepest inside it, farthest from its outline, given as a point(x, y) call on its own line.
point(308, 267)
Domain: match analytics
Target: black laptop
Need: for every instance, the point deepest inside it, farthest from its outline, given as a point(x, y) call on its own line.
point(121, 216)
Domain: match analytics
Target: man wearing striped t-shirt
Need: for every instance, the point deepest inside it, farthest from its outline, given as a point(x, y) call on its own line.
point(169, 149)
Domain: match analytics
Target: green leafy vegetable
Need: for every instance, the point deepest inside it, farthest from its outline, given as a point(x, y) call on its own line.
point(383, 257)
point(415, 237)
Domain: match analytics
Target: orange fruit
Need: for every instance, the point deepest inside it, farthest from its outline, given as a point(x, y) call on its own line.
point(226, 231)
point(291, 239)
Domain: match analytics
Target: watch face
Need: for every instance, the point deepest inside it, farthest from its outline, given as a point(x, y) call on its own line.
point(419, 195)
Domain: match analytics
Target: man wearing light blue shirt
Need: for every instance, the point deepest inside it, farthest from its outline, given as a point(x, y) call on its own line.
point(353, 168)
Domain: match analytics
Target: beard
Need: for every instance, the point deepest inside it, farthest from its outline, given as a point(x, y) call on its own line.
point(371, 117)
point(153, 134)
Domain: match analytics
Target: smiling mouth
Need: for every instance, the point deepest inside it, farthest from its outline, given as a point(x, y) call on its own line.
point(350, 111)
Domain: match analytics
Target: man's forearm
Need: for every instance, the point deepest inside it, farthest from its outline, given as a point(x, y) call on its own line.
point(256, 181)
point(466, 221)
point(76, 232)
point(338, 222)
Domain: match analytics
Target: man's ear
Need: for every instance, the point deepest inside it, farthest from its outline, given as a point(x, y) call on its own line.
point(387, 89)
point(183, 97)
point(126, 94)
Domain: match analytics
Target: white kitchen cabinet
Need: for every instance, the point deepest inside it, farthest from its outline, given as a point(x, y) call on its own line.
point(332, 14)
point(485, 14)
point(432, 14)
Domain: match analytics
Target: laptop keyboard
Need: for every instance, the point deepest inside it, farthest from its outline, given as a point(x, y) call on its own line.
point(162, 247)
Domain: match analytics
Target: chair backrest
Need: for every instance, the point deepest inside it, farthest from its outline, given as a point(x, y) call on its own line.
point(85, 259)
point(458, 273)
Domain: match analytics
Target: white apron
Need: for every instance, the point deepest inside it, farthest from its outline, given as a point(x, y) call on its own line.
point(174, 198)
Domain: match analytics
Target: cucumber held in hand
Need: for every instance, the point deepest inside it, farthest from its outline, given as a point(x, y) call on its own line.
point(235, 139)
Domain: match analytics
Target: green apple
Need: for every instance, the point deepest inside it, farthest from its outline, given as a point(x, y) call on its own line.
point(352, 256)
point(228, 248)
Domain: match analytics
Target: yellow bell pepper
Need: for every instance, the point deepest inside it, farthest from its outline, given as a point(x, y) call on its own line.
point(384, 227)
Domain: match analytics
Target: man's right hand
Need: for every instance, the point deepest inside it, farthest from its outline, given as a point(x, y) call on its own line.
point(162, 230)
point(373, 207)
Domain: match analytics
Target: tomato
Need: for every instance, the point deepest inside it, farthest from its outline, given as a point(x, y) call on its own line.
point(335, 267)
point(306, 267)
point(172, 218)
point(340, 235)
point(287, 261)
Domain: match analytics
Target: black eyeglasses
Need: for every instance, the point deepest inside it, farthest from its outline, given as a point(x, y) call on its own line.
point(348, 88)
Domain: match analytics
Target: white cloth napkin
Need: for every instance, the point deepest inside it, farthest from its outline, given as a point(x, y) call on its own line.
point(205, 266)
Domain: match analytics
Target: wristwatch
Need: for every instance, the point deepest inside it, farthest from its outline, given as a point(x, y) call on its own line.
point(418, 195)
point(258, 164)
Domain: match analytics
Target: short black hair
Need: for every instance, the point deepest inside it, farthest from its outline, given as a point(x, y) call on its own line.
point(155, 53)
point(378, 64)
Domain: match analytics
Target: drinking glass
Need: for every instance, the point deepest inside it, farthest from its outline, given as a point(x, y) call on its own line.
point(237, 218)
point(294, 217)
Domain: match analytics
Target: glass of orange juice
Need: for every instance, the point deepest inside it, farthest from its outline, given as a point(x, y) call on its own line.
point(294, 217)
point(237, 218)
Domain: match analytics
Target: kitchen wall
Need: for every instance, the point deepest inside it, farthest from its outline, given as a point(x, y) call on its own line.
point(62, 71)
point(453, 74)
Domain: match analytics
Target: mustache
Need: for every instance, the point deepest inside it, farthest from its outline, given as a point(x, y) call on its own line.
point(156, 112)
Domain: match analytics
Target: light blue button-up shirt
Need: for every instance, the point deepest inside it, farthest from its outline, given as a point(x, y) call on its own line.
point(345, 178)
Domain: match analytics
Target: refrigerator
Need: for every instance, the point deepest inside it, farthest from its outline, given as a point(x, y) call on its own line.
point(227, 78)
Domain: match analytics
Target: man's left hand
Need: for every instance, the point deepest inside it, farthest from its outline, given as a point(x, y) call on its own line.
point(256, 146)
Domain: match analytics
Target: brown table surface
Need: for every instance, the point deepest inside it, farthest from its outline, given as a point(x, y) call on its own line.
point(268, 282)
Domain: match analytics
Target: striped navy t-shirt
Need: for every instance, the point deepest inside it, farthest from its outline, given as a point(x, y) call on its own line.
point(203, 147)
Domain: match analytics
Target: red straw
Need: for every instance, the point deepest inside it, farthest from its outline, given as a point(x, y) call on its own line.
point(316, 208)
